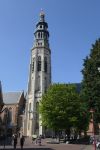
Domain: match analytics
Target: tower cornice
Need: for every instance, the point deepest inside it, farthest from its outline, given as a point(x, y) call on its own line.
point(38, 47)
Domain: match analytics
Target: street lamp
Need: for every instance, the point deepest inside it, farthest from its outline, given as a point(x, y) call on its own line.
point(93, 130)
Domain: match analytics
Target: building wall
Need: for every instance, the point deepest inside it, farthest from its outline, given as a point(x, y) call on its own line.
point(14, 117)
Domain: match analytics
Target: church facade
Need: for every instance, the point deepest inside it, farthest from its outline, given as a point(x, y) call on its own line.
point(39, 76)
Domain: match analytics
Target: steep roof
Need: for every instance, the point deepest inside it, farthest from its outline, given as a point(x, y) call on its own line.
point(11, 97)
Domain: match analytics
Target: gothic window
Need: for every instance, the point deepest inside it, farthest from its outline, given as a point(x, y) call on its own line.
point(45, 87)
point(33, 65)
point(38, 84)
point(40, 26)
point(45, 64)
point(10, 115)
point(41, 34)
point(39, 63)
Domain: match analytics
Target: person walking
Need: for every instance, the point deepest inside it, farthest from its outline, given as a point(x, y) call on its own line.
point(39, 140)
point(15, 141)
point(4, 140)
point(22, 140)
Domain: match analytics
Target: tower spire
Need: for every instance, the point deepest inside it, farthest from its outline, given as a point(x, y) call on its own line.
point(42, 16)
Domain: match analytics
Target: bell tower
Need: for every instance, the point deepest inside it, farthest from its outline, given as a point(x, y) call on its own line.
point(39, 75)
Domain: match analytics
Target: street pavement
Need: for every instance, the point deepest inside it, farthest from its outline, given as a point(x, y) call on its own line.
point(28, 145)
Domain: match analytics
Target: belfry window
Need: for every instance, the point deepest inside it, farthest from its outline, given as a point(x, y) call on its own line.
point(39, 64)
point(39, 35)
point(45, 64)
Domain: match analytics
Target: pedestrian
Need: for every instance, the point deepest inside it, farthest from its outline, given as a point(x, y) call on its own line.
point(39, 140)
point(22, 140)
point(4, 140)
point(15, 141)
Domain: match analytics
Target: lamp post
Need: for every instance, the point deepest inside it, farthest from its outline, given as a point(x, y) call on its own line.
point(93, 129)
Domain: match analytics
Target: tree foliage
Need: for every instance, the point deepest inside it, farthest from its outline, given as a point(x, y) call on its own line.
point(91, 80)
point(61, 108)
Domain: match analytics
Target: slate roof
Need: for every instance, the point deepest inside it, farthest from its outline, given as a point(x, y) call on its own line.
point(11, 97)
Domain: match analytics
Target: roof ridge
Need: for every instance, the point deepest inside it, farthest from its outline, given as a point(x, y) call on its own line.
point(14, 92)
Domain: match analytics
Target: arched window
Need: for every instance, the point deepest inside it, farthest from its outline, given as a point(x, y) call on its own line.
point(10, 115)
point(38, 84)
point(39, 35)
point(33, 65)
point(45, 64)
point(39, 64)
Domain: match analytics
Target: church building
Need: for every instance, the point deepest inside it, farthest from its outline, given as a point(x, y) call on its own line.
point(39, 76)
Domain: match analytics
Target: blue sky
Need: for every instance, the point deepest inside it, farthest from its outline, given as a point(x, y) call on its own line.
point(74, 25)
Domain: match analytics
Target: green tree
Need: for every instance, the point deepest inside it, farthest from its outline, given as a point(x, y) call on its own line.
point(61, 108)
point(91, 80)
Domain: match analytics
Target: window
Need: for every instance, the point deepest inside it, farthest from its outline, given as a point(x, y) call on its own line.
point(38, 84)
point(45, 64)
point(10, 115)
point(33, 65)
point(39, 35)
point(45, 87)
point(39, 64)
point(40, 26)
